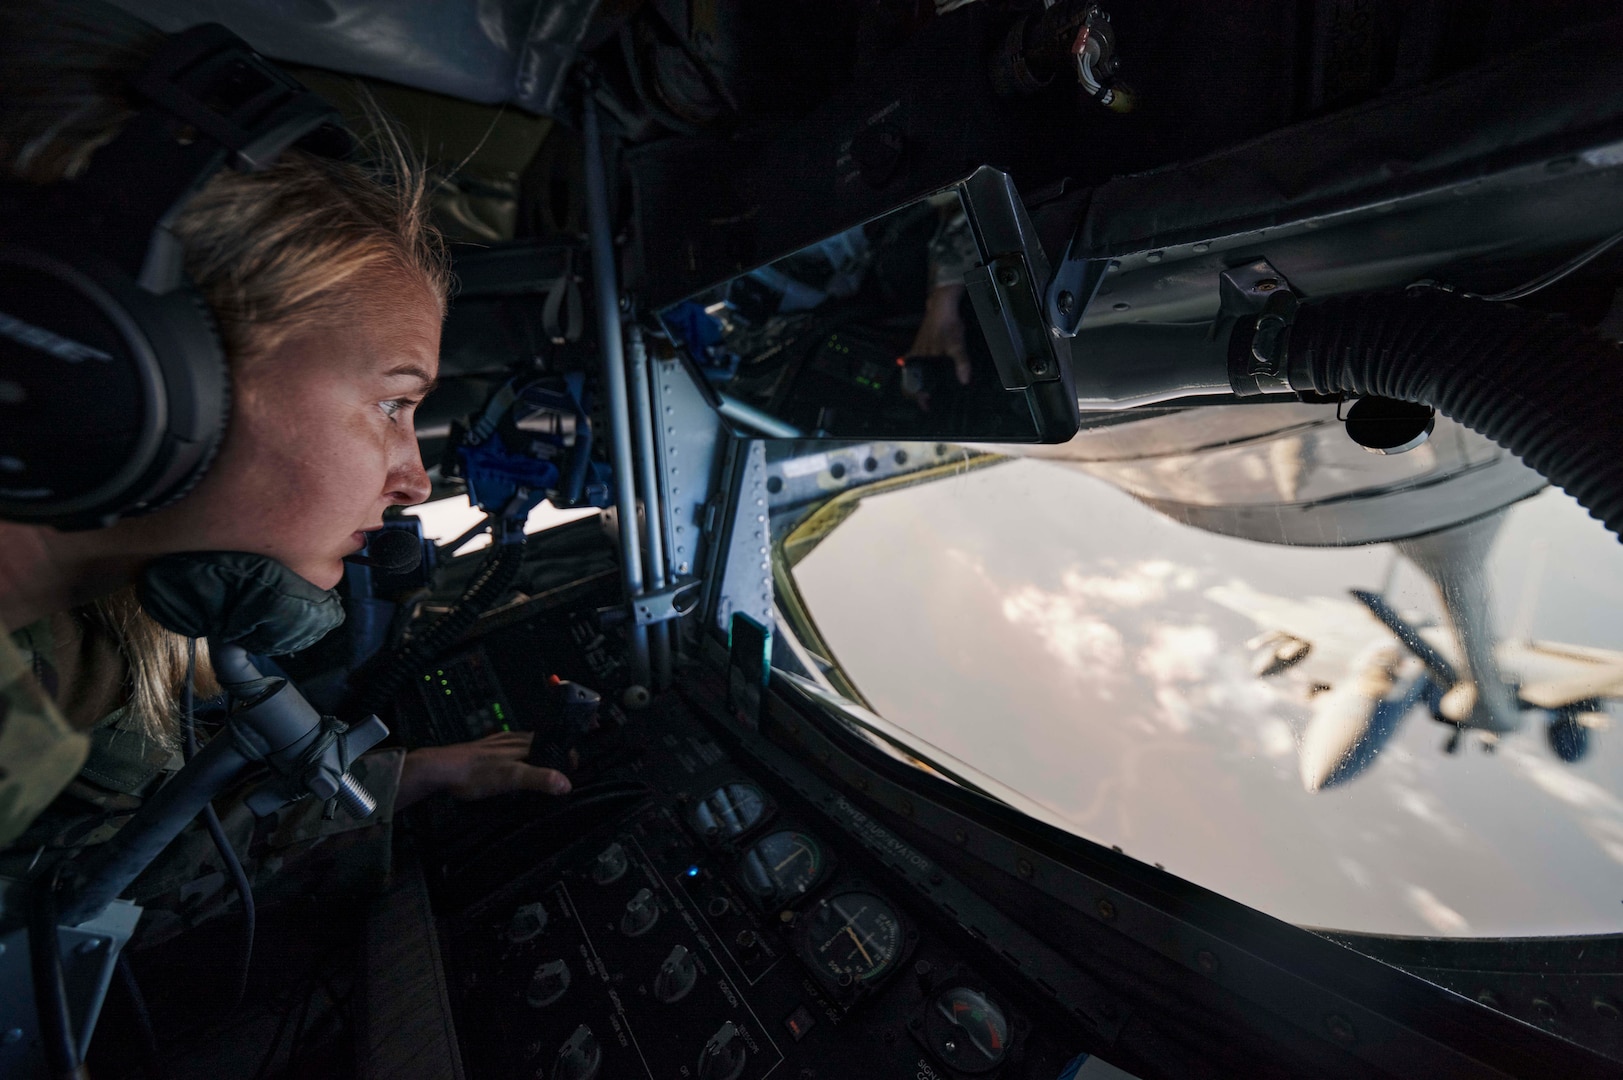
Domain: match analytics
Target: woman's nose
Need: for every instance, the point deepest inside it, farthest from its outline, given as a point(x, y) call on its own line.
point(408, 482)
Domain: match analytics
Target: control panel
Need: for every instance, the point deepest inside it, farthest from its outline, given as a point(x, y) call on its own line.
point(724, 930)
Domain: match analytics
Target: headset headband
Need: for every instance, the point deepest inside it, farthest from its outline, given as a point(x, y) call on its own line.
point(114, 390)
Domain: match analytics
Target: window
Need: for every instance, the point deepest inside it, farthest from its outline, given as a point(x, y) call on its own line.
point(1181, 693)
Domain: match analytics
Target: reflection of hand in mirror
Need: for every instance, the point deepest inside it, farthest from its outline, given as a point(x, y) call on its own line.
point(941, 333)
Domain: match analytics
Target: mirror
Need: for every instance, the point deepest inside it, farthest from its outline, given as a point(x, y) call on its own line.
point(923, 323)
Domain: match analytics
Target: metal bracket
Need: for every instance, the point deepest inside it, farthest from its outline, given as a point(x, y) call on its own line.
point(1257, 289)
point(666, 604)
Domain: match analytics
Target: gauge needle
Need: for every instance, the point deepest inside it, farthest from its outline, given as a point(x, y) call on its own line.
point(857, 942)
point(797, 853)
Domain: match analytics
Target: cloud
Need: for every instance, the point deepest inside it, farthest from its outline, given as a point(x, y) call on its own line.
point(1276, 738)
point(1139, 584)
point(1601, 812)
point(1179, 653)
point(1424, 807)
point(1357, 874)
point(1434, 913)
point(1080, 640)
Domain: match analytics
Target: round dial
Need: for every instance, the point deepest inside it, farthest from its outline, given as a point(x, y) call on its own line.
point(853, 937)
point(730, 810)
point(967, 1031)
point(782, 866)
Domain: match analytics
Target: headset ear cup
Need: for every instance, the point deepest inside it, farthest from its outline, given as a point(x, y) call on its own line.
point(113, 401)
point(198, 382)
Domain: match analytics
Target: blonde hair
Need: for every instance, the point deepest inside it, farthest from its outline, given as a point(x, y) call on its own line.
point(272, 252)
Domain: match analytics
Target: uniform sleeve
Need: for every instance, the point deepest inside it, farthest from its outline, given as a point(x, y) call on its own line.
point(39, 753)
point(295, 852)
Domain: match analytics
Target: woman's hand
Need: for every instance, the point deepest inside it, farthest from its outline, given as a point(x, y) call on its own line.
point(490, 766)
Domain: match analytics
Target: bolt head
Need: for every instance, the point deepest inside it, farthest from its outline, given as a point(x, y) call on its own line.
point(1266, 284)
point(1065, 301)
point(1009, 275)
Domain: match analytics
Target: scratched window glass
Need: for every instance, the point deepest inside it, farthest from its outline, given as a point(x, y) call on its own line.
point(1356, 692)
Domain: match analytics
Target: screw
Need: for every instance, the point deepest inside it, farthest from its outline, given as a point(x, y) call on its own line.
point(1340, 1028)
point(1154, 257)
point(1207, 960)
point(1120, 305)
point(1025, 868)
point(1064, 301)
point(1038, 366)
point(1009, 276)
point(1266, 284)
point(1545, 1008)
point(960, 837)
point(1107, 910)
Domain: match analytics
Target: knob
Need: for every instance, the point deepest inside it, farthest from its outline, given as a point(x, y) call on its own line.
point(548, 984)
point(580, 1057)
point(723, 1056)
point(611, 864)
point(642, 911)
point(749, 945)
point(676, 976)
point(527, 922)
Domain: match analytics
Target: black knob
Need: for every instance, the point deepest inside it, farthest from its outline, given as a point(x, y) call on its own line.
point(548, 984)
point(724, 1055)
point(676, 977)
point(580, 1057)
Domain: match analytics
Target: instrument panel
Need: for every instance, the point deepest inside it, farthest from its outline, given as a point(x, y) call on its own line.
point(723, 929)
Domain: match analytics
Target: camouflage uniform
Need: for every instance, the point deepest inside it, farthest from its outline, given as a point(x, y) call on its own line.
point(39, 753)
point(291, 853)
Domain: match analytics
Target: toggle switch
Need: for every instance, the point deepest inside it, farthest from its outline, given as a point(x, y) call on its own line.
point(611, 864)
point(642, 911)
point(548, 984)
point(676, 976)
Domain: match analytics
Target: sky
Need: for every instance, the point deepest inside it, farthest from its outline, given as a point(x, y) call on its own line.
point(1057, 634)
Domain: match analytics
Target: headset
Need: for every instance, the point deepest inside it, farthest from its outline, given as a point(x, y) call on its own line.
point(114, 389)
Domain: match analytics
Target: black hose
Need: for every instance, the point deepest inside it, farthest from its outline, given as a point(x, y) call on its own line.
point(1543, 387)
point(495, 578)
point(60, 1048)
point(216, 831)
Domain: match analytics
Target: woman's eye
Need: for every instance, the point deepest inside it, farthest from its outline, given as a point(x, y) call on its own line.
point(393, 409)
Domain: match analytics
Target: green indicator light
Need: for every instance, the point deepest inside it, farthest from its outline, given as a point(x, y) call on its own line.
point(428, 678)
point(439, 673)
point(448, 693)
point(506, 728)
point(445, 682)
point(498, 707)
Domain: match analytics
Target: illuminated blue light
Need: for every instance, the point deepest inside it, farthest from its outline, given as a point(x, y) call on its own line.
point(693, 871)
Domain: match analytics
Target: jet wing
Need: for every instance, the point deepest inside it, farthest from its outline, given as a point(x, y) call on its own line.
point(1589, 674)
point(1338, 630)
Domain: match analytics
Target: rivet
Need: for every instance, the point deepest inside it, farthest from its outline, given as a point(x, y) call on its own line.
point(1064, 301)
point(1340, 1028)
point(1154, 257)
point(1120, 305)
point(1206, 960)
point(1605, 1008)
point(1107, 910)
point(1025, 868)
point(1202, 247)
point(1545, 1008)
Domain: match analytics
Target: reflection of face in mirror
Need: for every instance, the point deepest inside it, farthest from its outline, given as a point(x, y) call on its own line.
point(868, 333)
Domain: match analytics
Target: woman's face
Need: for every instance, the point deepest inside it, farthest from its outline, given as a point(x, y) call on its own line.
point(320, 440)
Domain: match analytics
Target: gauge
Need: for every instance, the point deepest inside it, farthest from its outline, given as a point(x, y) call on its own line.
point(853, 938)
point(730, 810)
point(966, 1031)
point(782, 866)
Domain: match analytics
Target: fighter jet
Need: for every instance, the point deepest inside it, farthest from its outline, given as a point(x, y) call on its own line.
point(1365, 666)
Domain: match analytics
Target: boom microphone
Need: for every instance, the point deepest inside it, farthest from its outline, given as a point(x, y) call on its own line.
point(391, 551)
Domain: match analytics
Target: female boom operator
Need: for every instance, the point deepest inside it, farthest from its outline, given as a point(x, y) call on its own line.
point(328, 285)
